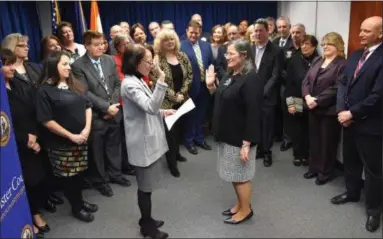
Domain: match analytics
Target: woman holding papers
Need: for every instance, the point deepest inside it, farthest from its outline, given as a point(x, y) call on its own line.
point(144, 127)
point(178, 76)
point(297, 119)
point(237, 119)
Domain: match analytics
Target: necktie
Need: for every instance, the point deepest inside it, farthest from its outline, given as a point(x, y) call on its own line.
point(282, 43)
point(198, 54)
point(361, 62)
point(99, 71)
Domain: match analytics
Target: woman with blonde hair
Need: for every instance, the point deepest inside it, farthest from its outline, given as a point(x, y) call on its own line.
point(26, 71)
point(319, 89)
point(178, 76)
point(250, 35)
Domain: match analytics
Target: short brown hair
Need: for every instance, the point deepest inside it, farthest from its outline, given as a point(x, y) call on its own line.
point(89, 35)
point(134, 27)
point(60, 27)
point(224, 35)
point(133, 56)
point(44, 46)
point(7, 57)
point(194, 24)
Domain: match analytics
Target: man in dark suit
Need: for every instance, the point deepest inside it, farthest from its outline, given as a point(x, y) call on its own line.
point(268, 61)
point(203, 36)
point(201, 57)
point(98, 73)
point(285, 42)
point(360, 113)
point(220, 62)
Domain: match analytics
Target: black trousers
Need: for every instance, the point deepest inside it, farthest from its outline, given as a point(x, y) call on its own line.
point(268, 126)
point(37, 196)
point(297, 128)
point(324, 136)
point(72, 188)
point(173, 137)
point(105, 152)
point(363, 151)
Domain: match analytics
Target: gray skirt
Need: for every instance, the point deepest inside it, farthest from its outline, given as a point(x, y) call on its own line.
point(230, 166)
point(149, 178)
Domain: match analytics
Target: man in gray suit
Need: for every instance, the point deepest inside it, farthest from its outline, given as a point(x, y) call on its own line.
point(98, 73)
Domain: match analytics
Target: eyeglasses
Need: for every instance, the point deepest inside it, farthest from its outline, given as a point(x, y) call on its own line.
point(326, 44)
point(229, 54)
point(149, 62)
point(23, 46)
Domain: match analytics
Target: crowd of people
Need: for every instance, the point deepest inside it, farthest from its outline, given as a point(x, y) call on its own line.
point(89, 113)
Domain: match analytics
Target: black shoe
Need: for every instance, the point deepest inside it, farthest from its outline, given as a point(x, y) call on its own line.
point(322, 180)
point(192, 149)
point(286, 146)
point(343, 198)
point(88, 207)
point(175, 172)
point(55, 199)
point(39, 235)
point(297, 162)
point(157, 223)
point(228, 213)
point(373, 223)
point(268, 160)
point(84, 216)
point(50, 206)
point(231, 221)
point(105, 190)
point(309, 175)
point(121, 181)
point(204, 145)
point(130, 171)
point(43, 229)
point(304, 162)
point(155, 234)
point(181, 158)
point(260, 154)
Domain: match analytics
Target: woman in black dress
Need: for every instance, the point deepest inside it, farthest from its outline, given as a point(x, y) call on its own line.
point(66, 114)
point(23, 112)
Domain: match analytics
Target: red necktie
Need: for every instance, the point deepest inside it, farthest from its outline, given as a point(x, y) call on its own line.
point(361, 62)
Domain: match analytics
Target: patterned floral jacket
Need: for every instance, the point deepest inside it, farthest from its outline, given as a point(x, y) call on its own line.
point(170, 96)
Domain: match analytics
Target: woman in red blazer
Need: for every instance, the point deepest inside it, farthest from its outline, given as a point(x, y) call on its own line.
point(319, 89)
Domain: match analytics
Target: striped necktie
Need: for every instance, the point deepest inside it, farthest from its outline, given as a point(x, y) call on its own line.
point(198, 54)
point(97, 65)
point(361, 62)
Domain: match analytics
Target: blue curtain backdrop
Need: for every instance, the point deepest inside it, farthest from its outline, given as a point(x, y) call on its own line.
point(21, 17)
point(178, 12)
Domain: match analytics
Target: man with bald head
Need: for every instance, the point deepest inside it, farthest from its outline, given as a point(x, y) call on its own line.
point(360, 113)
point(114, 31)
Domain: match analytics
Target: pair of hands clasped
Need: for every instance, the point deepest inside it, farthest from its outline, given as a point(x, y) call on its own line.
point(80, 138)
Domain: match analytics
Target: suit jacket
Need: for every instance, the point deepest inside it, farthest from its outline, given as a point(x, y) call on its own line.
point(323, 84)
point(363, 95)
point(270, 71)
point(170, 96)
point(143, 122)
point(221, 62)
point(207, 59)
point(34, 73)
point(288, 51)
point(84, 70)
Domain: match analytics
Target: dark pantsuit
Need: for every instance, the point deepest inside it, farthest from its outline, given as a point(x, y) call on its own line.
point(37, 196)
point(195, 120)
point(297, 128)
point(72, 188)
point(363, 151)
point(324, 135)
point(105, 149)
point(268, 120)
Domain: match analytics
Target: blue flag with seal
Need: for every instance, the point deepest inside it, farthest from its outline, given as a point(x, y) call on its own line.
point(16, 219)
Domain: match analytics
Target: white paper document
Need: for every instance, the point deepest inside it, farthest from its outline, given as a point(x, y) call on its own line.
point(185, 107)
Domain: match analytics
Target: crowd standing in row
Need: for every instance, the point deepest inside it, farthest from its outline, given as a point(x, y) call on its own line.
point(77, 126)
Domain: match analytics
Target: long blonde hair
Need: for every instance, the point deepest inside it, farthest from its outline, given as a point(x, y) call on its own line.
point(165, 34)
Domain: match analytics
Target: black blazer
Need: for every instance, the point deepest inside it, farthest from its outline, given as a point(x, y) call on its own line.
point(363, 95)
point(221, 62)
point(34, 73)
point(85, 71)
point(237, 114)
point(270, 71)
point(288, 52)
point(296, 72)
point(323, 84)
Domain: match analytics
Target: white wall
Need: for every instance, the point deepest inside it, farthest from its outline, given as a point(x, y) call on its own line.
point(319, 17)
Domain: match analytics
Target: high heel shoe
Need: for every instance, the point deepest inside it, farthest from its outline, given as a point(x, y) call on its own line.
point(230, 220)
point(155, 234)
point(43, 229)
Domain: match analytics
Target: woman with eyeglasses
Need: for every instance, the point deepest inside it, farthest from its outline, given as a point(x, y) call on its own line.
point(319, 90)
point(237, 124)
point(144, 129)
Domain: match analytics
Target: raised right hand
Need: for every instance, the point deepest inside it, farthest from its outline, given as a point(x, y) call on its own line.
point(210, 75)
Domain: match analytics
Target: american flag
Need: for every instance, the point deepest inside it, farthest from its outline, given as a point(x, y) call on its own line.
point(56, 19)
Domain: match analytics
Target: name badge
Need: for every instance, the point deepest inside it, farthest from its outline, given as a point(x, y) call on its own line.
point(289, 54)
point(203, 38)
